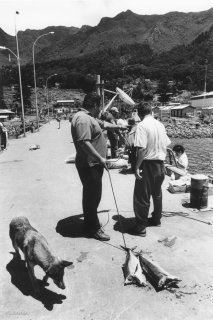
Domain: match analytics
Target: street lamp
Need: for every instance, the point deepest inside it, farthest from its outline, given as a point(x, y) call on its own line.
point(204, 94)
point(52, 75)
point(20, 83)
point(36, 103)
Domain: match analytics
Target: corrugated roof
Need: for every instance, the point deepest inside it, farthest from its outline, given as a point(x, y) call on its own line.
point(5, 111)
point(208, 108)
point(62, 101)
point(205, 94)
point(165, 107)
point(183, 106)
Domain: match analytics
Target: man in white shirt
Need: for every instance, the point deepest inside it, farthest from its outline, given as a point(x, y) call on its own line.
point(151, 141)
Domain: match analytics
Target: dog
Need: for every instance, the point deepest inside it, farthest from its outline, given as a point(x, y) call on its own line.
point(36, 252)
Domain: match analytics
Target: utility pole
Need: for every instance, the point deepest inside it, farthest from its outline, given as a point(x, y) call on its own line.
point(100, 89)
point(204, 97)
point(98, 84)
point(102, 94)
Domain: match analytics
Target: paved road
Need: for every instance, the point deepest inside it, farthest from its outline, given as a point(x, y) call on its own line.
point(40, 185)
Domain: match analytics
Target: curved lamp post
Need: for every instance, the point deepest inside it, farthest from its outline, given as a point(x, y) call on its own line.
point(20, 83)
point(34, 72)
point(52, 75)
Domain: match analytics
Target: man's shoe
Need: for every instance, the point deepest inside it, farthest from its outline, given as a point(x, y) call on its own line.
point(138, 231)
point(153, 223)
point(100, 235)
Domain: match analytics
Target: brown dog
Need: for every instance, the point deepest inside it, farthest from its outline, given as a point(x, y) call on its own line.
point(36, 252)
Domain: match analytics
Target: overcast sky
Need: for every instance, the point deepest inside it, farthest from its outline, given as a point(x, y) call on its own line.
point(38, 14)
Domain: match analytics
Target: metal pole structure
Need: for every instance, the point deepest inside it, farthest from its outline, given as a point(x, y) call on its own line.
point(19, 72)
point(102, 94)
point(34, 73)
point(98, 82)
point(20, 83)
point(52, 75)
point(52, 103)
point(204, 97)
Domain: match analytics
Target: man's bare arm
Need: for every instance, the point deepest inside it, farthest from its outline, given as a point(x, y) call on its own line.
point(139, 160)
point(112, 126)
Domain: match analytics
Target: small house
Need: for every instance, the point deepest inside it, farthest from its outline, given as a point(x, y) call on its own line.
point(5, 114)
point(203, 100)
point(208, 110)
point(182, 111)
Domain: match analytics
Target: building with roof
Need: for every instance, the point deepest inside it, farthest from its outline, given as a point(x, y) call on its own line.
point(203, 100)
point(182, 110)
point(208, 110)
point(5, 114)
point(174, 110)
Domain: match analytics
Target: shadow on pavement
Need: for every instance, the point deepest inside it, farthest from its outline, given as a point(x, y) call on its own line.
point(126, 171)
point(123, 224)
point(20, 279)
point(71, 227)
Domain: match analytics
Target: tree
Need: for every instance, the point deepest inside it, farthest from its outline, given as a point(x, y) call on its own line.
point(26, 91)
point(2, 103)
point(163, 90)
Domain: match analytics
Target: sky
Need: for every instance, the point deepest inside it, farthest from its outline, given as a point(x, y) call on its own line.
point(39, 14)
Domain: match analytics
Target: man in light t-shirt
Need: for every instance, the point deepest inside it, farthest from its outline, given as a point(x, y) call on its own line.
point(151, 142)
point(91, 160)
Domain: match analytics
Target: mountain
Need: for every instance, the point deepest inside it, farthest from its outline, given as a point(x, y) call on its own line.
point(160, 32)
point(173, 46)
point(26, 39)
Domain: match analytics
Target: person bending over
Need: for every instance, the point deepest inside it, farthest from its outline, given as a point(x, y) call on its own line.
point(180, 156)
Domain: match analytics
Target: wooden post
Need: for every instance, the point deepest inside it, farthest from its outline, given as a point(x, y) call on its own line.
point(102, 94)
point(98, 84)
point(160, 114)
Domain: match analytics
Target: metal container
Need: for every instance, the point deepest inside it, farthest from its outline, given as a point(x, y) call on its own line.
point(199, 191)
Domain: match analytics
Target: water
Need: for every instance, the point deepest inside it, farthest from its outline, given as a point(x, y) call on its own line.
point(199, 152)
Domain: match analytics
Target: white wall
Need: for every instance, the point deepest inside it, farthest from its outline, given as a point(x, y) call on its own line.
point(201, 103)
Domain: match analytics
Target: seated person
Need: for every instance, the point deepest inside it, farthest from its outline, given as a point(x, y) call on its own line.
point(181, 157)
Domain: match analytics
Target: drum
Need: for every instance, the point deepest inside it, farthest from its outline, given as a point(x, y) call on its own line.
point(199, 191)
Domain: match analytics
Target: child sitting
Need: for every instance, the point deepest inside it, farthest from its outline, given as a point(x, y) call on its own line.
point(181, 157)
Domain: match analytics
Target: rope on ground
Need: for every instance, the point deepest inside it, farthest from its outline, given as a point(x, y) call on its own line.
point(121, 226)
point(184, 215)
point(103, 226)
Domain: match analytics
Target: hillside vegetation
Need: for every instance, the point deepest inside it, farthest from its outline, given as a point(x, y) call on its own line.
point(175, 46)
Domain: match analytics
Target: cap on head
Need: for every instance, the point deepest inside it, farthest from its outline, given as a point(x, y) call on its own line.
point(114, 109)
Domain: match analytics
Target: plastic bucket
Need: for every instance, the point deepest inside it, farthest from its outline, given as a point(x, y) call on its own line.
point(199, 191)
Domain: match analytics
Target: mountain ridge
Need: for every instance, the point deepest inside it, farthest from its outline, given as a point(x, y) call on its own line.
point(160, 32)
point(153, 45)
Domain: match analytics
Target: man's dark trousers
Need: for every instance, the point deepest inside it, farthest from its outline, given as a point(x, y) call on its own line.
point(91, 178)
point(153, 173)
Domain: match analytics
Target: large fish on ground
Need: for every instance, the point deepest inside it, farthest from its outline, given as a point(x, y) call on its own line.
point(132, 269)
point(160, 277)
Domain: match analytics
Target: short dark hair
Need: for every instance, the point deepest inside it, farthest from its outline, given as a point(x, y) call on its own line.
point(90, 100)
point(131, 122)
point(178, 148)
point(144, 109)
